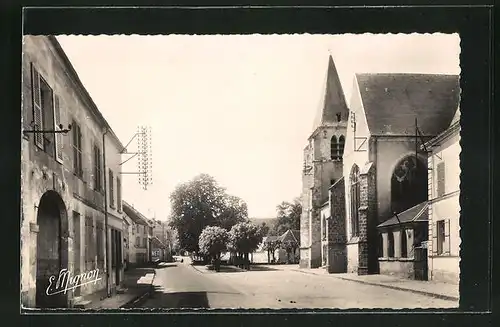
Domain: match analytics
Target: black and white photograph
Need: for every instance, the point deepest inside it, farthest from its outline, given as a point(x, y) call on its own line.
point(258, 171)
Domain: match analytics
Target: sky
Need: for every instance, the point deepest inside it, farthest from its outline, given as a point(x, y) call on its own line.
point(237, 107)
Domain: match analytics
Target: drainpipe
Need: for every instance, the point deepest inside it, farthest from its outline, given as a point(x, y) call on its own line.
point(108, 261)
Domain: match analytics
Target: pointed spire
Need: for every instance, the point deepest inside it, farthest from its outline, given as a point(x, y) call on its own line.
point(332, 101)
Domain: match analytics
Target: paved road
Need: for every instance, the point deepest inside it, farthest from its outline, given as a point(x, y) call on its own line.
point(180, 285)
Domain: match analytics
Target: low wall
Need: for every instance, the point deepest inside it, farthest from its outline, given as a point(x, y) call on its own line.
point(397, 267)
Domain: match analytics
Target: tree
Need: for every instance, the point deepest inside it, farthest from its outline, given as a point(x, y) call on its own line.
point(271, 245)
point(244, 238)
point(288, 216)
point(213, 240)
point(264, 229)
point(202, 202)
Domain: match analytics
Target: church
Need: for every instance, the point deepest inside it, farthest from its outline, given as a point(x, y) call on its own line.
point(364, 165)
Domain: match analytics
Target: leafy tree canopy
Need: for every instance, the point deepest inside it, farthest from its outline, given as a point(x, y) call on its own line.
point(202, 202)
point(244, 237)
point(288, 217)
point(213, 240)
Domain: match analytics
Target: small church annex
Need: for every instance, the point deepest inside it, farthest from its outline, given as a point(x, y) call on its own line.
point(366, 169)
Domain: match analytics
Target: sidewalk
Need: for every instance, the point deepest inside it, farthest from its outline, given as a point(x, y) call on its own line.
point(137, 285)
point(439, 290)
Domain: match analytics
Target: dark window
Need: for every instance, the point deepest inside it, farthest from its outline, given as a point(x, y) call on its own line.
point(341, 146)
point(89, 243)
point(355, 191)
point(404, 244)
point(380, 246)
point(100, 244)
point(77, 149)
point(390, 245)
point(408, 184)
point(441, 236)
point(339, 116)
point(332, 181)
point(334, 151)
point(97, 169)
point(111, 194)
point(440, 179)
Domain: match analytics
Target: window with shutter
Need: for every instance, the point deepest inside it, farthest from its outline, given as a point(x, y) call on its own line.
point(111, 194)
point(441, 237)
point(434, 239)
point(47, 104)
point(119, 194)
point(97, 169)
point(37, 106)
point(440, 179)
point(100, 245)
point(77, 149)
point(89, 243)
point(446, 237)
point(59, 137)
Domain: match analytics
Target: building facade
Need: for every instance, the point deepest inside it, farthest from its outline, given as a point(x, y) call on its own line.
point(140, 234)
point(444, 205)
point(63, 208)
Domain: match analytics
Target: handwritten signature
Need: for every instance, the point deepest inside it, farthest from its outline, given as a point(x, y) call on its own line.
point(67, 281)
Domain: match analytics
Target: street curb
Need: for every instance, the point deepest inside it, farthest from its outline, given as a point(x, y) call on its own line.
point(430, 294)
point(137, 300)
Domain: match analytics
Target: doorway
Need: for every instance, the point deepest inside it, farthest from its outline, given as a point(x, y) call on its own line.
point(51, 250)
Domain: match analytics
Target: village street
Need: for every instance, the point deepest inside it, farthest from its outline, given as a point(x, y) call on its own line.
point(180, 285)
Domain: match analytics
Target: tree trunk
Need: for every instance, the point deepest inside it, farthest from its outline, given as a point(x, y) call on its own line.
point(268, 256)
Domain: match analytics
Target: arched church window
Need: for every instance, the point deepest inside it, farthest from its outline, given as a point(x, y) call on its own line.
point(390, 244)
point(341, 146)
point(334, 148)
point(354, 195)
point(408, 184)
point(404, 244)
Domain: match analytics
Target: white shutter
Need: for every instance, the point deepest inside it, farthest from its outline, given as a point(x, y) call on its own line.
point(37, 106)
point(446, 243)
point(58, 136)
point(434, 239)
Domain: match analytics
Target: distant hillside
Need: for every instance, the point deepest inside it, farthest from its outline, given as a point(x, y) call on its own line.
point(258, 221)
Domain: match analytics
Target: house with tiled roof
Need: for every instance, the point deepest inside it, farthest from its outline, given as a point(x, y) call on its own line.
point(139, 230)
point(385, 171)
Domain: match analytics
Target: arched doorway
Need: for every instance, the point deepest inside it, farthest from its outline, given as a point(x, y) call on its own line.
point(51, 249)
point(408, 184)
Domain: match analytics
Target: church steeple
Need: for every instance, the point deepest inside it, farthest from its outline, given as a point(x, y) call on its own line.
point(332, 107)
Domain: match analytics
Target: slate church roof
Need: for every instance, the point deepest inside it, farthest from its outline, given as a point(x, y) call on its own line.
point(392, 102)
point(419, 212)
point(332, 98)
